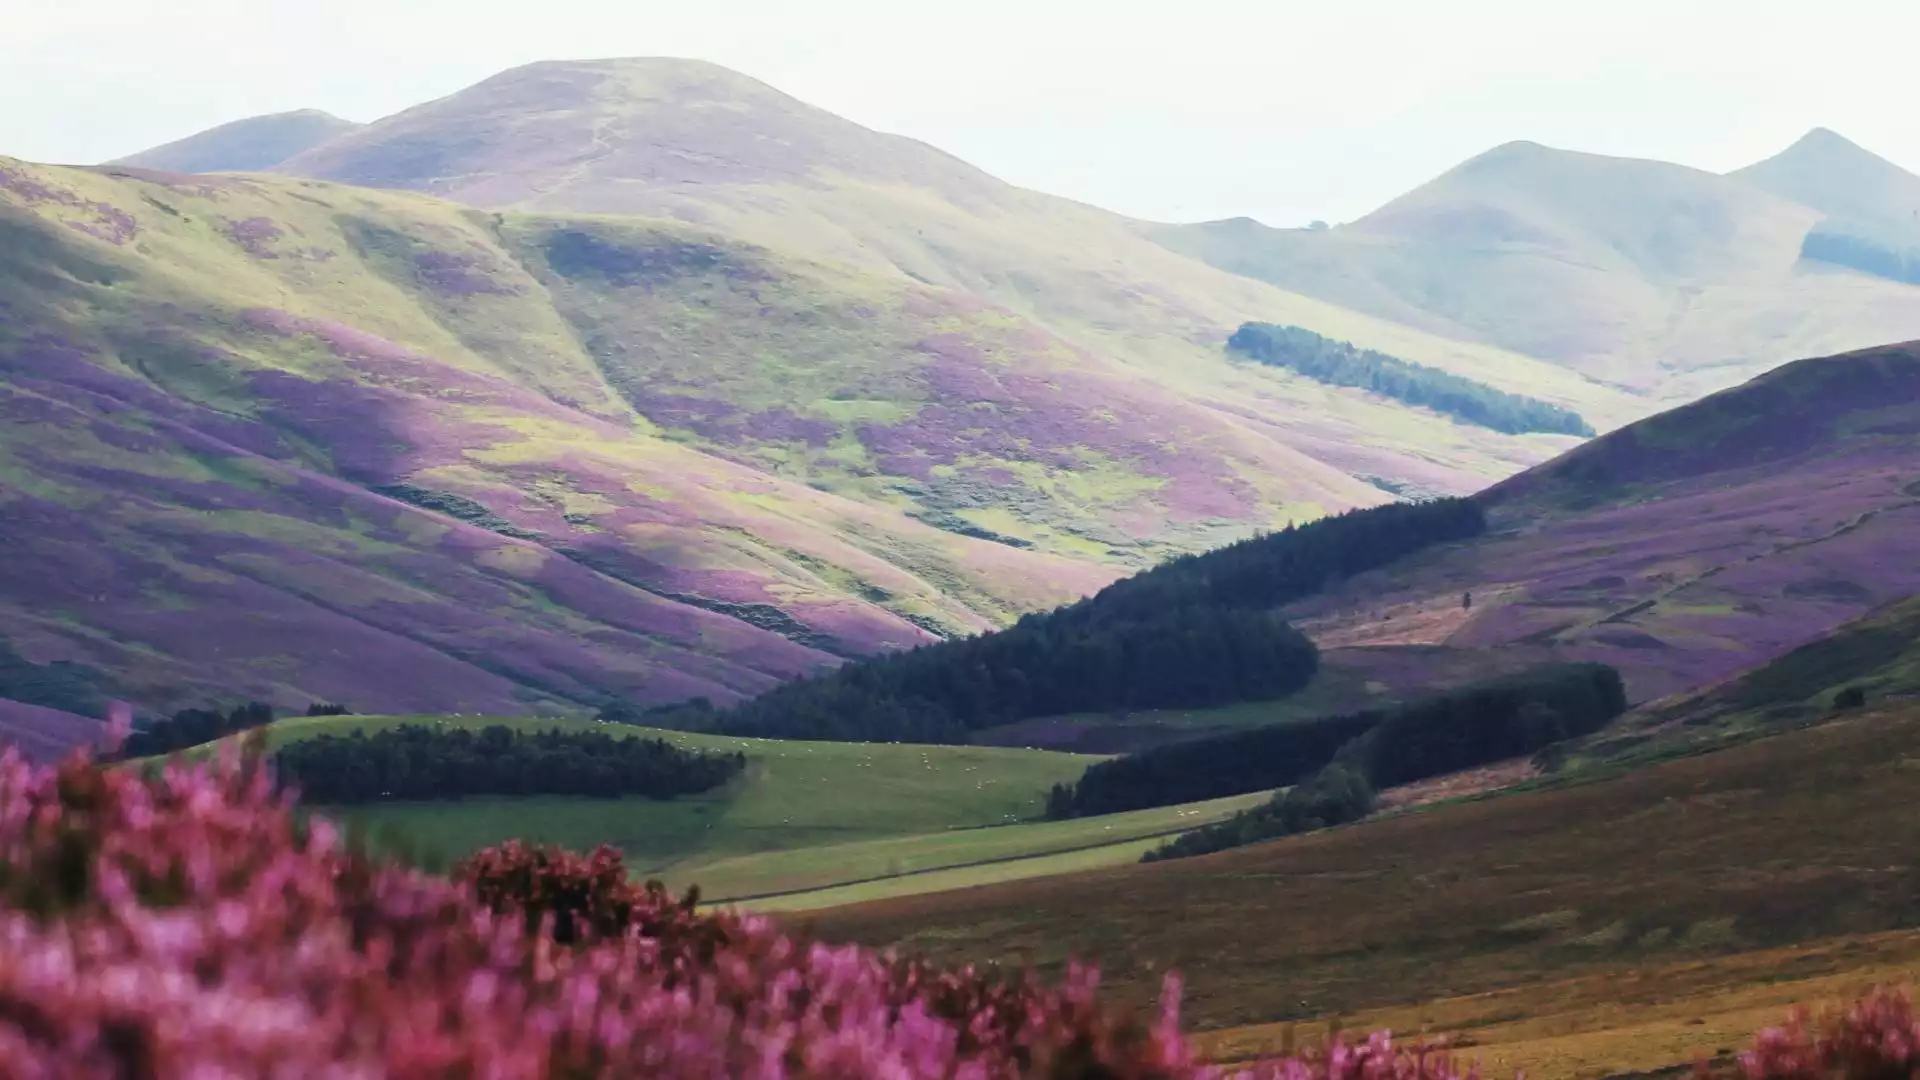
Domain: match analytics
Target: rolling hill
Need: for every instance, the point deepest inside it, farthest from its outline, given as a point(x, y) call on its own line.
point(1876, 656)
point(1685, 548)
point(1582, 909)
point(251, 145)
point(694, 142)
point(285, 439)
point(719, 388)
point(1663, 280)
point(43, 734)
point(282, 440)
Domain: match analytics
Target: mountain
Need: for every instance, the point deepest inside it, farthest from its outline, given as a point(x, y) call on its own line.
point(1871, 206)
point(1851, 185)
point(697, 143)
point(1684, 548)
point(251, 145)
point(1663, 280)
point(271, 438)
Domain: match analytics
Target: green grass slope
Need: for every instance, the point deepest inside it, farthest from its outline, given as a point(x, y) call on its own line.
point(809, 825)
point(805, 816)
point(254, 144)
point(818, 876)
point(1666, 281)
point(690, 141)
point(278, 439)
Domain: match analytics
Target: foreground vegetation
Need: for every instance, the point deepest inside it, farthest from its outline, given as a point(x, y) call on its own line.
point(1792, 839)
point(191, 922)
point(1195, 631)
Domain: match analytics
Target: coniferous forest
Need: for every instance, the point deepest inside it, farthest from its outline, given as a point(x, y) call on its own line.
point(1473, 725)
point(420, 762)
point(1338, 363)
point(193, 727)
point(1889, 260)
point(1194, 632)
point(1213, 767)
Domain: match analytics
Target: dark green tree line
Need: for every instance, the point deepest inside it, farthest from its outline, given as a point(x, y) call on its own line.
point(1213, 767)
point(1474, 725)
point(1890, 261)
point(1339, 363)
point(422, 762)
point(1194, 632)
point(193, 727)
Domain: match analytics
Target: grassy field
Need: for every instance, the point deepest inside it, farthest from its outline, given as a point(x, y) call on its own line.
point(811, 824)
point(794, 795)
point(1779, 843)
point(929, 862)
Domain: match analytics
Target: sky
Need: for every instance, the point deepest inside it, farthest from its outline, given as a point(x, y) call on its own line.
point(1176, 111)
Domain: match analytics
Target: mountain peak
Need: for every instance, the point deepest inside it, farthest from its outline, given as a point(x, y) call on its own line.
point(254, 144)
point(1824, 138)
point(1840, 178)
point(617, 136)
point(1825, 148)
point(636, 77)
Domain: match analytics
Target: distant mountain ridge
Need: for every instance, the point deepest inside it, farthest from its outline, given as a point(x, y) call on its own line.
point(693, 142)
point(698, 388)
point(1656, 279)
point(1668, 281)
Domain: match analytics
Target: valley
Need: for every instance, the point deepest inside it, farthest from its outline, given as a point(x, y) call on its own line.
point(770, 598)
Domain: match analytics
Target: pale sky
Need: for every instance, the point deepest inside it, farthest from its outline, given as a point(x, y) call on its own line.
point(1175, 110)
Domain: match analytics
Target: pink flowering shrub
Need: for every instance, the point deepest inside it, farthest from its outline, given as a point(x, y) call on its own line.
point(191, 923)
point(1876, 1038)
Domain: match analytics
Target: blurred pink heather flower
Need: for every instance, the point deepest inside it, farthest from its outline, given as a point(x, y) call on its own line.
point(1875, 1038)
point(191, 923)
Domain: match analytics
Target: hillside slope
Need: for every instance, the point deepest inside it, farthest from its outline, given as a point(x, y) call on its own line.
point(1664, 280)
point(282, 440)
point(251, 145)
point(1684, 548)
point(1784, 840)
point(1876, 656)
point(43, 734)
point(694, 142)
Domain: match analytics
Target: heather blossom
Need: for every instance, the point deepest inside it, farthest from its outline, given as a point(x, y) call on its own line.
point(191, 922)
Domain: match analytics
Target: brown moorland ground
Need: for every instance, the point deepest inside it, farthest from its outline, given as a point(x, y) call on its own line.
point(1611, 905)
point(1636, 1020)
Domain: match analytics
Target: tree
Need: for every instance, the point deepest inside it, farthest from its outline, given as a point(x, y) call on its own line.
point(1339, 363)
